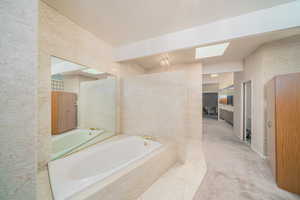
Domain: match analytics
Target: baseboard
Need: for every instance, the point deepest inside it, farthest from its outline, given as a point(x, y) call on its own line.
point(259, 153)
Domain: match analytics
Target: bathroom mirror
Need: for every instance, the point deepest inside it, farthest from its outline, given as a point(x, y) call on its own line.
point(83, 107)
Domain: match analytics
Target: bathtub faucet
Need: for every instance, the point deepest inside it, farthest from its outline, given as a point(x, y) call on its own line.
point(148, 137)
point(95, 129)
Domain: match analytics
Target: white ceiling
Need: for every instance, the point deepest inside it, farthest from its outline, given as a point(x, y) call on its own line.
point(237, 50)
point(121, 22)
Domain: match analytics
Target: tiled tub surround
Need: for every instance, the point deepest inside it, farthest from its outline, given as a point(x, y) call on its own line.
point(164, 104)
point(155, 105)
point(169, 105)
point(123, 168)
point(182, 180)
point(192, 81)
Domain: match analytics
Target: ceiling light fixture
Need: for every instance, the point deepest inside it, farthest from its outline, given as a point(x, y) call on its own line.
point(214, 75)
point(211, 51)
point(164, 61)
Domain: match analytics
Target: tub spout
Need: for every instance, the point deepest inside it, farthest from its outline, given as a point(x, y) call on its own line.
point(95, 129)
point(148, 137)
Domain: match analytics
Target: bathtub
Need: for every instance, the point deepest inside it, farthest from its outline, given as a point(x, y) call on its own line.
point(77, 172)
point(67, 142)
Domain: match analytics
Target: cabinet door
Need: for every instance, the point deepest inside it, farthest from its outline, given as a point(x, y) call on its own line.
point(64, 111)
point(71, 110)
point(54, 113)
point(288, 131)
point(67, 111)
point(270, 125)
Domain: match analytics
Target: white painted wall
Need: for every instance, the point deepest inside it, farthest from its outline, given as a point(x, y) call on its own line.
point(18, 99)
point(207, 79)
point(278, 57)
point(210, 88)
point(224, 80)
point(222, 67)
point(275, 18)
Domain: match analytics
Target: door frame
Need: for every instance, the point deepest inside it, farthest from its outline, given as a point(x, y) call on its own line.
point(209, 92)
point(242, 127)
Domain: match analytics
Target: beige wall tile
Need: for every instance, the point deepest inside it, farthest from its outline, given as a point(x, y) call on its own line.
point(58, 36)
point(18, 102)
point(165, 103)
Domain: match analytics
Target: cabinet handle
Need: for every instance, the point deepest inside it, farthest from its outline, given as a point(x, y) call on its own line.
point(269, 124)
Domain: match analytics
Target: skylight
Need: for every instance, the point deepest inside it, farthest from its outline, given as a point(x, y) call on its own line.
point(211, 51)
point(92, 71)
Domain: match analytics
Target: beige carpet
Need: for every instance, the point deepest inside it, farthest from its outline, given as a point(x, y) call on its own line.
point(234, 171)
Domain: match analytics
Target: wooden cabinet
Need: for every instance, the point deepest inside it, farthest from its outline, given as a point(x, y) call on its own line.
point(283, 130)
point(63, 112)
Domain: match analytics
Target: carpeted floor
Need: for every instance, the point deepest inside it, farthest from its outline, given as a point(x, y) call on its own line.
point(234, 171)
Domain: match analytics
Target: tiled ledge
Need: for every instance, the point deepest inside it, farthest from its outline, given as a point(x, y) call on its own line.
point(181, 181)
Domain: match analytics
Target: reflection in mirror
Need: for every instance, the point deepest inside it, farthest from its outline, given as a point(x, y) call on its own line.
point(83, 109)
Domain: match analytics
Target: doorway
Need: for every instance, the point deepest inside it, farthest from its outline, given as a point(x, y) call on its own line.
point(210, 105)
point(247, 111)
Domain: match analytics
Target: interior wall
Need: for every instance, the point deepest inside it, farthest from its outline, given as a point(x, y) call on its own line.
point(228, 107)
point(238, 104)
point(72, 82)
point(58, 36)
point(98, 104)
point(223, 67)
point(193, 73)
point(210, 88)
point(128, 70)
point(271, 59)
point(18, 102)
point(165, 103)
point(225, 80)
point(147, 109)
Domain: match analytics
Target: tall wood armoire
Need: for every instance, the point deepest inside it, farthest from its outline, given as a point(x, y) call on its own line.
point(63, 111)
point(283, 130)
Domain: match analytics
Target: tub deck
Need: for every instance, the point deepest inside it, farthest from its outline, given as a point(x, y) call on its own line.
point(88, 174)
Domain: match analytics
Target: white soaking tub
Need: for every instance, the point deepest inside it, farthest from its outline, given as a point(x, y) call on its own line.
point(75, 173)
